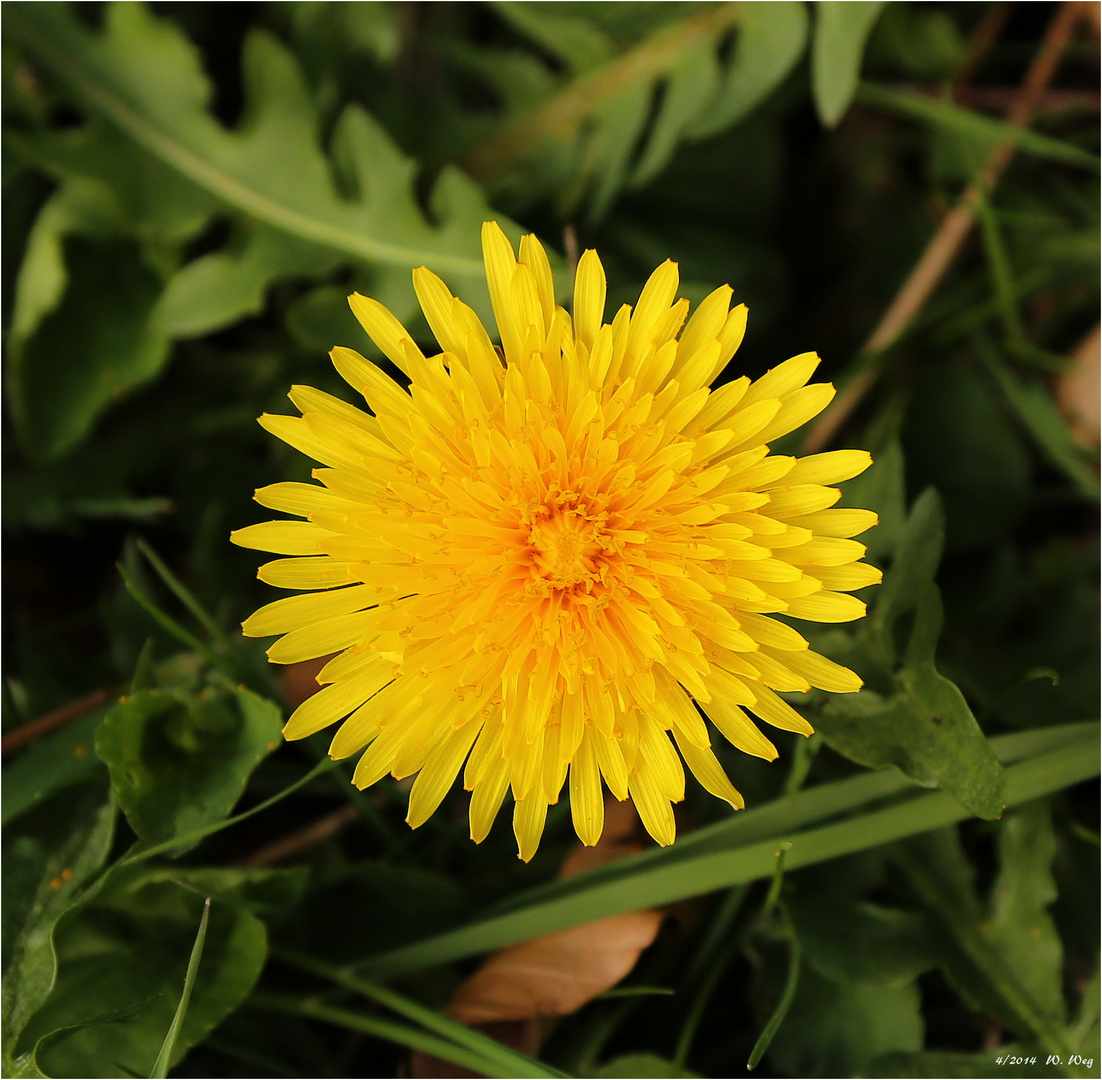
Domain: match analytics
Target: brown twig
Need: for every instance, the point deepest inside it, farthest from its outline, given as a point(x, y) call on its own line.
point(951, 234)
point(54, 719)
point(301, 839)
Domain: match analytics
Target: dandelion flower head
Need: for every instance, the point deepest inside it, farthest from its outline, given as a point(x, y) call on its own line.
point(558, 562)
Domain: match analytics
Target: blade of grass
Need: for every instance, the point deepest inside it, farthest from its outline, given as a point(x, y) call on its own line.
point(948, 117)
point(816, 805)
point(164, 1058)
point(381, 1028)
point(473, 1041)
point(171, 626)
point(181, 592)
point(655, 882)
point(781, 1011)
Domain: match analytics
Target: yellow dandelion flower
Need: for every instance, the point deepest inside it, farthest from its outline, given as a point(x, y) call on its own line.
point(550, 563)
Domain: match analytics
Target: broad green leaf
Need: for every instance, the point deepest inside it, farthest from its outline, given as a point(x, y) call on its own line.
point(179, 763)
point(134, 941)
point(841, 30)
point(48, 882)
point(644, 1065)
point(836, 1029)
point(140, 74)
point(922, 725)
point(28, 1063)
point(60, 760)
point(864, 943)
point(1020, 926)
point(972, 953)
point(95, 346)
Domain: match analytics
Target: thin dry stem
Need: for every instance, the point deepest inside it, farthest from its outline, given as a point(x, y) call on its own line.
point(55, 719)
point(951, 234)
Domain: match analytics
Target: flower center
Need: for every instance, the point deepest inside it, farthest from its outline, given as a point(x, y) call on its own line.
point(566, 547)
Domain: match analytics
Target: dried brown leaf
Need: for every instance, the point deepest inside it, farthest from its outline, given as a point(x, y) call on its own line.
point(1079, 389)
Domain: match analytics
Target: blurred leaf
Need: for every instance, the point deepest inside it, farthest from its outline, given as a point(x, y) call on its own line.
point(180, 763)
point(975, 125)
point(48, 881)
point(963, 442)
point(842, 1027)
point(57, 761)
point(132, 941)
point(90, 350)
point(923, 725)
point(144, 76)
point(866, 943)
point(573, 39)
point(621, 121)
point(1020, 926)
point(1038, 413)
point(771, 40)
point(644, 1065)
point(841, 30)
point(555, 974)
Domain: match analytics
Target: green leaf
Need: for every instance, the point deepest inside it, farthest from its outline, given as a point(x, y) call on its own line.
point(620, 121)
point(1037, 412)
point(28, 1066)
point(95, 346)
point(576, 41)
point(644, 1065)
point(135, 939)
point(49, 883)
point(842, 1027)
point(1020, 926)
point(971, 949)
point(861, 943)
point(142, 75)
point(180, 763)
point(973, 125)
point(471, 1041)
point(841, 30)
point(168, 1047)
point(57, 761)
point(784, 1003)
point(922, 725)
point(771, 40)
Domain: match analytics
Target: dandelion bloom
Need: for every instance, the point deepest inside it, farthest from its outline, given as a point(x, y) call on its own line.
point(553, 561)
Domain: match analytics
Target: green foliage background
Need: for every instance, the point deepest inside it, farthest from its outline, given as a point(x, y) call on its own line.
point(191, 192)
